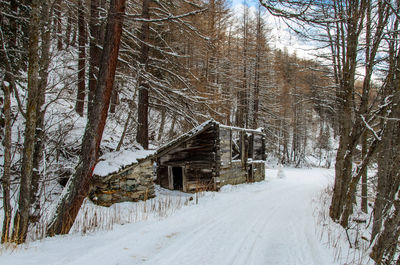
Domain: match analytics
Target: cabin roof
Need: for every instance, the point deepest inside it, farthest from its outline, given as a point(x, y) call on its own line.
point(114, 162)
point(196, 131)
point(186, 136)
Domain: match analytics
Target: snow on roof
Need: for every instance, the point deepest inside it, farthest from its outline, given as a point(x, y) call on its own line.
point(115, 161)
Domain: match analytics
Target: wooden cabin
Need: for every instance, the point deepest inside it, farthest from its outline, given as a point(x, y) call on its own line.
point(210, 156)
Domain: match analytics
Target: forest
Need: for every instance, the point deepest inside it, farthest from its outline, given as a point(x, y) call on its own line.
point(83, 78)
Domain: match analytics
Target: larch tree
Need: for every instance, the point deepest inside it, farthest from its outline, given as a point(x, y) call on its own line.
point(21, 219)
point(78, 185)
point(82, 36)
point(143, 101)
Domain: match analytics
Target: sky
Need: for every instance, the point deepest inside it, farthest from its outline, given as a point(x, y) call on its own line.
point(281, 37)
point(249, 2)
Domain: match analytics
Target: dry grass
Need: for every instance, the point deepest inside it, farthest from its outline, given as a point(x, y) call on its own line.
point(350, 247)
point(93, 218)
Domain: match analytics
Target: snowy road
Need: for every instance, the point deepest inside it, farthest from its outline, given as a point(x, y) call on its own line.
point(261, 223)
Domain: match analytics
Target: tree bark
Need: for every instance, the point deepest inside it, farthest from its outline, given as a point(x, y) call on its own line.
point(388, 161)
point(80, 97)
point(361, 171)
point(348, 136)
point(114, 100)
point(5, 236)
point(364, 177)
point(142, 136)
point(385, 247)
point(78, 185)
point(257, 69)
point(68, 29)
point(94, 50)
point(21, 219)
point(162, 123)
point(39, 134)
point(58, 24)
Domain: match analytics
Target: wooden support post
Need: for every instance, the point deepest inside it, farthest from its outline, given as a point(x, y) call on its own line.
point(184, 189)
point(170, 178)
point(230, 150)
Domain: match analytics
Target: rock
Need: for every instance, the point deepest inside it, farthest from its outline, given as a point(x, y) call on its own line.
point(133, 183)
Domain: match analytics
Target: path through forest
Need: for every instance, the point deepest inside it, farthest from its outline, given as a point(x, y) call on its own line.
point(262, 223)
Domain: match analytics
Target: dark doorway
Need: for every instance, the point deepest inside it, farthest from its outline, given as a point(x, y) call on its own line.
point(178, 178)
point(250, 174)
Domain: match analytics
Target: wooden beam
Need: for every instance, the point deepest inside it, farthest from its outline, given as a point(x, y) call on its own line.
point(170, 178)
point(184, 179)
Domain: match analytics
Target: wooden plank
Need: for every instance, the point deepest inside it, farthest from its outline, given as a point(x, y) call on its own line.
point(239, 129)
point(184, 179)
point(170, 178)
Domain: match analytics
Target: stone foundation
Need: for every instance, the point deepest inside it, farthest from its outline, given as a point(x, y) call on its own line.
point(132, 184)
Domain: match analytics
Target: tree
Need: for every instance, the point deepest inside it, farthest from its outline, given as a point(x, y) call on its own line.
point(94, 49)
point(13, 33)
point(21, 219)
point(78, 185)
point(80, 96)
point(7, 163)
point(142, 136)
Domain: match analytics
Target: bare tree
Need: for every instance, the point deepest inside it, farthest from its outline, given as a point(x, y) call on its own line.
point(94, 50)
point(78, 185)
point(142, 136)
point(7, 164)
point(21, 219)
point(80, 96)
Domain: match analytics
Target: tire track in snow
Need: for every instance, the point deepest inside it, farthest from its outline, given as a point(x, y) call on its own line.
point(268, 223)
point(191, 239)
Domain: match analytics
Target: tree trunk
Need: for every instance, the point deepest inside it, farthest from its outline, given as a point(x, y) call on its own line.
point(80, 97)
point(94, 50)
point(21, 219)
point(388, 171)
point(162, 124)
point(78, 185)
point(257, 69)
point(344, 156)
point(39, 134)
point(142, 136)
point(364, 177)
point(5, 236)
point(58, 24)
point(114, 100)
point(385, 247)
point(350, 195)
point(126, 125)
point(172, 128)
point(343, 168)
point(68, 29)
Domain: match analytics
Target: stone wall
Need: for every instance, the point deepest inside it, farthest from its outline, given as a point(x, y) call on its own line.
point(259, 171)
point(133, 183)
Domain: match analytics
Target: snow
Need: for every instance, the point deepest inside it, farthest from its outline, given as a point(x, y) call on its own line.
point(269, 222)
point(114, 161)
point(281, 172)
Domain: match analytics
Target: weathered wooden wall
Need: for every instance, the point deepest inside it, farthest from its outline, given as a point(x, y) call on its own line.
point(209, 161)
point(197, 155)
point(232, 174)
point(259, 147)
point(252, 148)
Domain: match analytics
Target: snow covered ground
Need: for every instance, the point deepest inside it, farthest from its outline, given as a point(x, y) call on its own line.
point(261, 223)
